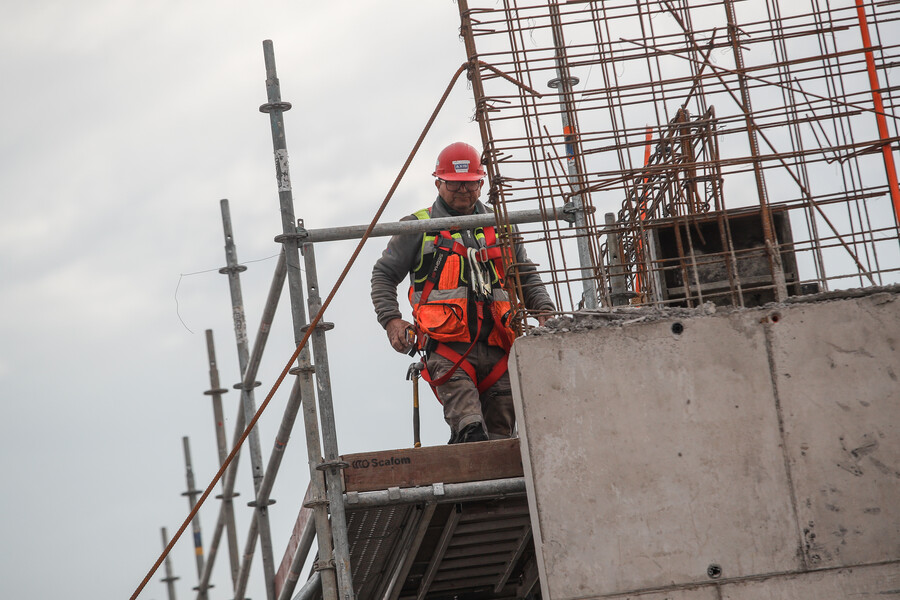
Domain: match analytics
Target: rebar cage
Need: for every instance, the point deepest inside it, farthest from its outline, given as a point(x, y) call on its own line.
point(739, 150)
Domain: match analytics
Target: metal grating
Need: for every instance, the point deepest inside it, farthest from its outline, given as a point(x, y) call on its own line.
point(478, 550)
point(371, 534)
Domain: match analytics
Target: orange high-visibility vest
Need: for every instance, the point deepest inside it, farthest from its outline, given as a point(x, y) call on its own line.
point(445, 307)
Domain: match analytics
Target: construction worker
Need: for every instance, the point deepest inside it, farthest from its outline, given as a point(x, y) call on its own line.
point(461, 310)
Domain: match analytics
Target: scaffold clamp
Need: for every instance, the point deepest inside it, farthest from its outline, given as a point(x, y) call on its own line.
point(215, 392)
point(321, 325)
point(230, 270)
point(241, 386)
point(332, 464)
point(570, 81)
point(324, 565)
point(568, 212)
point(269, 107)
point(255, 504)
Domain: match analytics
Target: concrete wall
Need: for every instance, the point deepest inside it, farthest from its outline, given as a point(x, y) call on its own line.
point(698, 455)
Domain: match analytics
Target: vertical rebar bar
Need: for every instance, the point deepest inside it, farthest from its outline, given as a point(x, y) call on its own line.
point(489, 161)
point(169, 579)
point(192, 494)
point(772, 248)
point(335, 579)
point(215, 391)
point(261, 510)
point(618, 288)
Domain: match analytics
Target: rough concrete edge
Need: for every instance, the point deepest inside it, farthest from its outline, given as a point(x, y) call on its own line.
point(530, 492)
point(629, 315)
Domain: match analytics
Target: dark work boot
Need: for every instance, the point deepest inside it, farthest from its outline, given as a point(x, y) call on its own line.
point(473, 432)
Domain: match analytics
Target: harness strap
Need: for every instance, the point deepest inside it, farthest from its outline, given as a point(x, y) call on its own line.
point(493, 251)
point(441, 255)
point(443, 246)
point(479, 308)
point(460, 362)
point(490, 252)
point(450, 244)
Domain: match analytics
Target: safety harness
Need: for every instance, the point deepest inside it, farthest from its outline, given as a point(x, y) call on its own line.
point(482, 286)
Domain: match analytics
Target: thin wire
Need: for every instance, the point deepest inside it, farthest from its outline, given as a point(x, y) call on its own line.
point(183, 275)
point(309, 330)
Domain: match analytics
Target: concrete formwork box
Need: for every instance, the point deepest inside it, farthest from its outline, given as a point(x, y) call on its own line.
point(667, 455)
point(655, 455)
point(837, 374)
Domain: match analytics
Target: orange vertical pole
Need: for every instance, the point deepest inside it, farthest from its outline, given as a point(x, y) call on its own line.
point(886, 149)
point(647, 138)
point(643, 213)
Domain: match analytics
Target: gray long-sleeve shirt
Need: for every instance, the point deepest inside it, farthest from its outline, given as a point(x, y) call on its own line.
point(401, 257)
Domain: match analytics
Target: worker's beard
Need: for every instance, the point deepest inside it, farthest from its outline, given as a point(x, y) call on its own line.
point(464, 202)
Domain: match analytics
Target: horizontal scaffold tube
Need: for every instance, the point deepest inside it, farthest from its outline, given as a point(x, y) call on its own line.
point(438, 492)
point(351, 232)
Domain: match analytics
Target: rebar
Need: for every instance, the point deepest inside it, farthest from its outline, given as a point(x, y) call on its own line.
point(760, 103)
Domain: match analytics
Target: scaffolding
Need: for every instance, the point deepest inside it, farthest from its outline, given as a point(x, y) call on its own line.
point(740, 151)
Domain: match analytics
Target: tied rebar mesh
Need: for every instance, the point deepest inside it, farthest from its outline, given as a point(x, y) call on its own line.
point(745, 148)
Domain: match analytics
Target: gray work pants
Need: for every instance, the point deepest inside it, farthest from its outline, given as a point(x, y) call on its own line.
point(463, 404)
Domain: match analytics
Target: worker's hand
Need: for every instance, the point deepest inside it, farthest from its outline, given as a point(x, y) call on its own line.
point(398, 337)
point(542, 318)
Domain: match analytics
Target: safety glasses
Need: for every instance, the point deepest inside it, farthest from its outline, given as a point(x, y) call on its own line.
point(455, 186)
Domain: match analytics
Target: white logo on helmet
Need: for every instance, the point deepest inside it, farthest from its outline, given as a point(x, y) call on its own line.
point(461, 166)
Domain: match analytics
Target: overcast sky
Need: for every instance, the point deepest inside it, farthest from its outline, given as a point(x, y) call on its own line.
point(124, 124)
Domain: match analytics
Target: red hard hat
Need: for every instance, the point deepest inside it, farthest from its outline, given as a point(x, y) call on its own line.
point(459, 162)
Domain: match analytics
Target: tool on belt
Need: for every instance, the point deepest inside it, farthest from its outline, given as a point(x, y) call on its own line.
point(412, 374)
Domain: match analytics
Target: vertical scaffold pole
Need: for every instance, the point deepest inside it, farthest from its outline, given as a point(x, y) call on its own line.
point(334, 560)
point(261, 510)
point(564, 83)
point(227, 492)
point(169, 579)
point(192, 494)
point(886, 150)
point(215, 391)
point(332, 464)
point(265, 487)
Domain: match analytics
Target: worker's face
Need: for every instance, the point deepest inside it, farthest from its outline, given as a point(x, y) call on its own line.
point(463, 197)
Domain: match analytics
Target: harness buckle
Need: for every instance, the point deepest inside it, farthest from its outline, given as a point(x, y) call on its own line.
point(443, 243)
point(480, 281)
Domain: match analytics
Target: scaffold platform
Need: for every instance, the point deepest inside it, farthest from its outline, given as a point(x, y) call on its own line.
point(440, 522)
